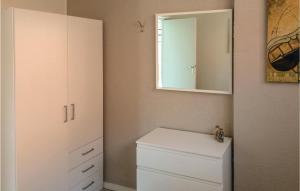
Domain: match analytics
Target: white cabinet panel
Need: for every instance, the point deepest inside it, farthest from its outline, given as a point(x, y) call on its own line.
point(192, 165)
point(40, 42)
point(185, 141)
point(86, 169)
point(85, 153)
point(150, 181)
point(99, 189)
point(90, 183)
point(85, 80)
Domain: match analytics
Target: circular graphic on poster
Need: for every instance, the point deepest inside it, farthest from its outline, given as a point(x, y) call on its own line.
point(283, 41)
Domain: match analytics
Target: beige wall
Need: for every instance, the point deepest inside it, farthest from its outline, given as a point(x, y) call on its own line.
point(132, 105)
point(56, 6)
point(265, 114)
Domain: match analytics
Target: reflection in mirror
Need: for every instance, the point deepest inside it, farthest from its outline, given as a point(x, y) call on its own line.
point(194, 51)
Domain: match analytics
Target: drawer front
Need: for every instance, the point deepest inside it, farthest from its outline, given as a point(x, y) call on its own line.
point(85, 153)
point(91, 183)
point(85, 170)
point(99, 189)
point(203, 168)
point(152, 181)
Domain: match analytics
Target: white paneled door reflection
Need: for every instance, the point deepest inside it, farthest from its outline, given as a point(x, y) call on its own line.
point(179, 37)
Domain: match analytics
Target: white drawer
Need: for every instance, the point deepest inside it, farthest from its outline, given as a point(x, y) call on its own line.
point(156, 181)
point(99, 189)
point(89, 184)
point(190, 165)
point(85, 170)
point(85, 153)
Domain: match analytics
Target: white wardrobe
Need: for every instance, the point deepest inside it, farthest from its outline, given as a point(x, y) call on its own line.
point(52, 92)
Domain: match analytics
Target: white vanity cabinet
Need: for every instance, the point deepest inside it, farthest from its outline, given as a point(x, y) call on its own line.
point(52, 136)
point(174, 160)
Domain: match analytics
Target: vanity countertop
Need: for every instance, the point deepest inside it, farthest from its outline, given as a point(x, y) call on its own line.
point(185, 141)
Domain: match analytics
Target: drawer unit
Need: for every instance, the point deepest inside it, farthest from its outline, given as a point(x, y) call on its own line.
point(86, 169)
point(150, 180)
point(85, 153)
point(90, 183)
point(179, 160)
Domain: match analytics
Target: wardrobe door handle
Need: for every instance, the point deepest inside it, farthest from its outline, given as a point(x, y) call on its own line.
point(89, 185)
point(73, 111)
point(66, 113)
point(87, 152)
point(86, 170)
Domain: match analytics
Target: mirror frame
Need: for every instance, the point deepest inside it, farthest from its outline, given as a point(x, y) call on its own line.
point(230, 85)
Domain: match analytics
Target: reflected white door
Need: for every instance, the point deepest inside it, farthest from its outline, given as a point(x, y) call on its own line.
point(179, 53)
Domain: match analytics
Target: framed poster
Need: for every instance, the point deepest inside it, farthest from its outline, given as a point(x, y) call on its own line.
point(283, 41)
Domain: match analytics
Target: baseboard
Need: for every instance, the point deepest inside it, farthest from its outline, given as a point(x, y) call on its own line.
point(115, 187)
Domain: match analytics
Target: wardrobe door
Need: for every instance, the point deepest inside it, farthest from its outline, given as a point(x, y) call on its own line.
point(40, 90)
point(85, 80)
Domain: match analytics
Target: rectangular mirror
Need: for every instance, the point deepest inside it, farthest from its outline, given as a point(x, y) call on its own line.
point(194, 51)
